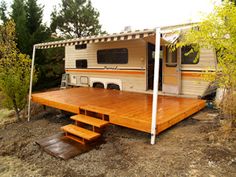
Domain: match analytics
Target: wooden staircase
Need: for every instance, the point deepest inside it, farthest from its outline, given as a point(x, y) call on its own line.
point(86, 128)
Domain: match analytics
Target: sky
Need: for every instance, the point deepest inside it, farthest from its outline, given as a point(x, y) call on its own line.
point(141, 14)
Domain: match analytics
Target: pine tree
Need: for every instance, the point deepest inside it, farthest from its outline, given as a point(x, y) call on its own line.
point(38, 32)
point(76, 18)
point(19, 17)
point(34, 13)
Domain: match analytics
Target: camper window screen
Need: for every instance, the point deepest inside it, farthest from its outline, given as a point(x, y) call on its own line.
point(188, 59)
point(112, 56)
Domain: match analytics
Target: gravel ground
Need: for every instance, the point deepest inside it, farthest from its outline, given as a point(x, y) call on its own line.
point(191, 148)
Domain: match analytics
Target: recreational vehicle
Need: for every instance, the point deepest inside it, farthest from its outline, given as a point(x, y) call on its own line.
point(128, 65)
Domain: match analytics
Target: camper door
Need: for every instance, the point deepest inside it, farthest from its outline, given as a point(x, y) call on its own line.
point(171, 71)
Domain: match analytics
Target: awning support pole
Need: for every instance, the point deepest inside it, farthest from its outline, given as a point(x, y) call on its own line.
point(155, 83)
point(31, 82)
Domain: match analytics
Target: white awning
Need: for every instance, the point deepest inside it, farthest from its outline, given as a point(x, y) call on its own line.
point(129, 35)
point(170, 34)
point(171, 37)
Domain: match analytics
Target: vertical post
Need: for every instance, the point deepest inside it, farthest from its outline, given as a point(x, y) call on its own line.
point(31, 82)
point(179, 70)
point(155, 83)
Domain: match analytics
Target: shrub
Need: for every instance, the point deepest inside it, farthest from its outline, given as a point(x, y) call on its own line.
point(14, 71)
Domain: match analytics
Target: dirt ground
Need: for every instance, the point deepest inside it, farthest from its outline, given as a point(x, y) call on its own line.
point(191, 148)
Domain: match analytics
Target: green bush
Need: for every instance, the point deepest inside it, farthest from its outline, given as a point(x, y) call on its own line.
point(14, 71)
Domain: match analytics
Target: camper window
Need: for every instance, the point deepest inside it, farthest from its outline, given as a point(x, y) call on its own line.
point(112, 56)
point(81, 63)
point(190, 58)
point(81, 46)
point(171, 58)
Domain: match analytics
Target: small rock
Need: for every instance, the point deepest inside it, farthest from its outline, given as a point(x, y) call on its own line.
point(211, 164)
point(211, 175)
point(213, 115)
point(211, 138)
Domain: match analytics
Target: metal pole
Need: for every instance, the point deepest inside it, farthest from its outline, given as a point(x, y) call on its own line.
point(155, 83)
point(31, 82)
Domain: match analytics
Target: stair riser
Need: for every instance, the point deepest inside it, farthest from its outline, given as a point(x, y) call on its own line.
point(95, 114)
point(77, 139)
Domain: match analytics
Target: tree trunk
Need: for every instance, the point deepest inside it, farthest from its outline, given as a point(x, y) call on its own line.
point(17, 114)
point(16, 110)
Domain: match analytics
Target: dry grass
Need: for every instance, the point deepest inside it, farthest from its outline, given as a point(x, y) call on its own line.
point(5, 113)
point(228, 116)
point(228, 109)
point(1, 98)
point(10, 166)
point(6, 116)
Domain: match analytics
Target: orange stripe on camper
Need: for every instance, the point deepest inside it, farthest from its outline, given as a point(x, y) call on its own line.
point(192, 74)
point(106, 71)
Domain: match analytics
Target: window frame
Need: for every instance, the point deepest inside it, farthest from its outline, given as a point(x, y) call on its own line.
point(113, 59)
point(81, 60)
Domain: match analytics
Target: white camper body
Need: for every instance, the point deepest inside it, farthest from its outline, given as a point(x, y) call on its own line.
point(135, 74)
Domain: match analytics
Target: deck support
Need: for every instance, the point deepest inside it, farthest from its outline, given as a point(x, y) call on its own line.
point(31, 82)
point(155, 88)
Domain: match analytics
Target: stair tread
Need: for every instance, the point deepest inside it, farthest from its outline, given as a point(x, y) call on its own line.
point(80, 132)
point(97, 109)
point(89, 120)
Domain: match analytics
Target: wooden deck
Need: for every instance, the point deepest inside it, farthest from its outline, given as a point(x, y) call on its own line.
point(128, 109)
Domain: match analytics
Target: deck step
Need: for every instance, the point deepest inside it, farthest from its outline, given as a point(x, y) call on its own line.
point(90, 120)
point(97, 109)
point(80, 132)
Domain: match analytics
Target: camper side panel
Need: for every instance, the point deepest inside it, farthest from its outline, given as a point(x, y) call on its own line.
point(131, 75)
point(193, 82)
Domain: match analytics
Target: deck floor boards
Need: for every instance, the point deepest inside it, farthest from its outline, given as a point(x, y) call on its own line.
point(128, 109)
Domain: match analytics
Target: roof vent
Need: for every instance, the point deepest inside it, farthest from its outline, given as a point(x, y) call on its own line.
point(127, 28)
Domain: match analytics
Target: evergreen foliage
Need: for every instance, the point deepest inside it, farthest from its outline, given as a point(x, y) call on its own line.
point(19, 17)
point(76, 18)
point(14, 70)
point(34, 14)
point(32, 32)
